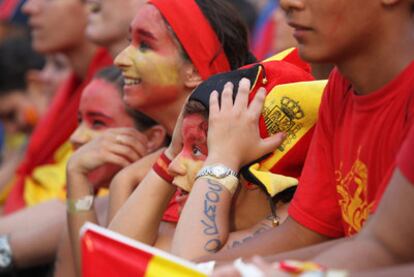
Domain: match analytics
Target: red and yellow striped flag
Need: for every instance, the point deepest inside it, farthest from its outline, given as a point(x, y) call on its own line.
point(106, 253)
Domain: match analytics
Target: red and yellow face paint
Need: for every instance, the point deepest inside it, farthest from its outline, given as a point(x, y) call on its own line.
point(152, 63)
point(191, 158)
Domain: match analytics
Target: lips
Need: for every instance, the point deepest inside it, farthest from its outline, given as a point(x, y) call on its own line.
point(299, 27)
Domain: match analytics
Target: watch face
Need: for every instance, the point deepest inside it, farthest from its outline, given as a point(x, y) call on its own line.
point(219, 171)
point(5, 259)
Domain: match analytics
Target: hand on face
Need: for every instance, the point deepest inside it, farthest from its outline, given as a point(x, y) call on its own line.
point(118, 146)
point(233, 135)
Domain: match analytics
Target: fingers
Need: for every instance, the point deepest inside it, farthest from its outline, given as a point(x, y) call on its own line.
point(270, 144)
point(131, 138)
point(242, 97)
point(256, 105)
point(214, 105)
point(227, 97)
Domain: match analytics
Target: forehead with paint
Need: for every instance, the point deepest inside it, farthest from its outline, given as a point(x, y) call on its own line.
point(152, 63)
point(101, 107)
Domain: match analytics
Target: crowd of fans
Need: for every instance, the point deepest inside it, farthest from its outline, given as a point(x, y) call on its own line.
point(265, 137)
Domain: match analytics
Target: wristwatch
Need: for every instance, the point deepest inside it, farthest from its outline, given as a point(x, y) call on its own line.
point(225, 176)
point(6, 258)
point(218, 171)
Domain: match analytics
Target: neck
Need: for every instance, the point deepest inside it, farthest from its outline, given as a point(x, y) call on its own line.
point(378, 64)
point(80, 58)
point(167, 114)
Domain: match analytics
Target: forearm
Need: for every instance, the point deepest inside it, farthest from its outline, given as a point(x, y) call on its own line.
point(305, 253)
point(358, 253)
point(78, 187)
point(400, 271)
point(290, 235)
point(125, 182)
point(204, 222)
point(119, 192)
point(140, 217)
point(34, 233)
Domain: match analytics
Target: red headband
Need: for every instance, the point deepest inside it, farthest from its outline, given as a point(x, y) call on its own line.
point(195, 35)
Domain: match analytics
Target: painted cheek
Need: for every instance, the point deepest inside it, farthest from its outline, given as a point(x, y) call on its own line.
point(157, 69)
point(192, 167)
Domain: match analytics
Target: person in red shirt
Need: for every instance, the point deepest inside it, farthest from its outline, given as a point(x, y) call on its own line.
point(366, 111)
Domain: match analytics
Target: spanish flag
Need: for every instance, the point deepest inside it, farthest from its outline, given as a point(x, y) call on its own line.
point(106, 253)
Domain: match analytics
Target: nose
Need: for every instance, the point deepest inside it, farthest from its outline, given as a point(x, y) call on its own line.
point(31, 7)
point(290, 5)
point(176, 167)
point(123, 59)
point(80, 136)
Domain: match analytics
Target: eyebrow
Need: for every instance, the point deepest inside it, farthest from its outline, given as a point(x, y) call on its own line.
point(143, 33)
point(98, 114)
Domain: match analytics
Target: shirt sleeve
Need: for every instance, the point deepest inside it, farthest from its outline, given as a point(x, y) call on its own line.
point(315, 204)
point(405, 160)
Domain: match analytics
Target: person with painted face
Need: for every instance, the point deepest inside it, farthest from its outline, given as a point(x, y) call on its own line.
point(174, 46)
point(101, 109)
point(220, 213)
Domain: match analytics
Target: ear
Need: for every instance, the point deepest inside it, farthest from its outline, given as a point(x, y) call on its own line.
point(191, 76)
point(156, 137)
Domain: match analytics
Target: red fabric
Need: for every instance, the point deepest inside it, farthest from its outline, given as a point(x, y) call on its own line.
point(353, 152)
point(195, 35)
point(172, 214)
point(405, 160)
point(104, 256)
point(294, 58)
point(54, 129)
point(7, 8)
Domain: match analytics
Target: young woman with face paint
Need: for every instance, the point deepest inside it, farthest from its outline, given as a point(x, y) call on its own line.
point(174, 46)
point(102, 116)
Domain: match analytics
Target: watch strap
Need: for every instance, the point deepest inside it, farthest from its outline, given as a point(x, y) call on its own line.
point(229, 182)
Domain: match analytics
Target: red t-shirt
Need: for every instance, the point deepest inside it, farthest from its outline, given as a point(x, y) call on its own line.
point(352, 154)
point(405, 160)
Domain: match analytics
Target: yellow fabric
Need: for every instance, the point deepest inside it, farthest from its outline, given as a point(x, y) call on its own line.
point(159, 266)
point(15, 141)
point(48, 181)
point(6, 190)
point(280, 56)
point(274, 183)
point(293, 109)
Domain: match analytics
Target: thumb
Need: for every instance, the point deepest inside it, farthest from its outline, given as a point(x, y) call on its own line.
point(271, 143)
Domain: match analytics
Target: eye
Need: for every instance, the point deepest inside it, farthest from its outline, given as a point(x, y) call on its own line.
point(196, 151)
point(143, 46)
point(98, 124)
point(79, 119)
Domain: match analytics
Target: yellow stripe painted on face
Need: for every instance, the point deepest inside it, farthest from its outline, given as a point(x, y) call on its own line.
point(160, 267)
